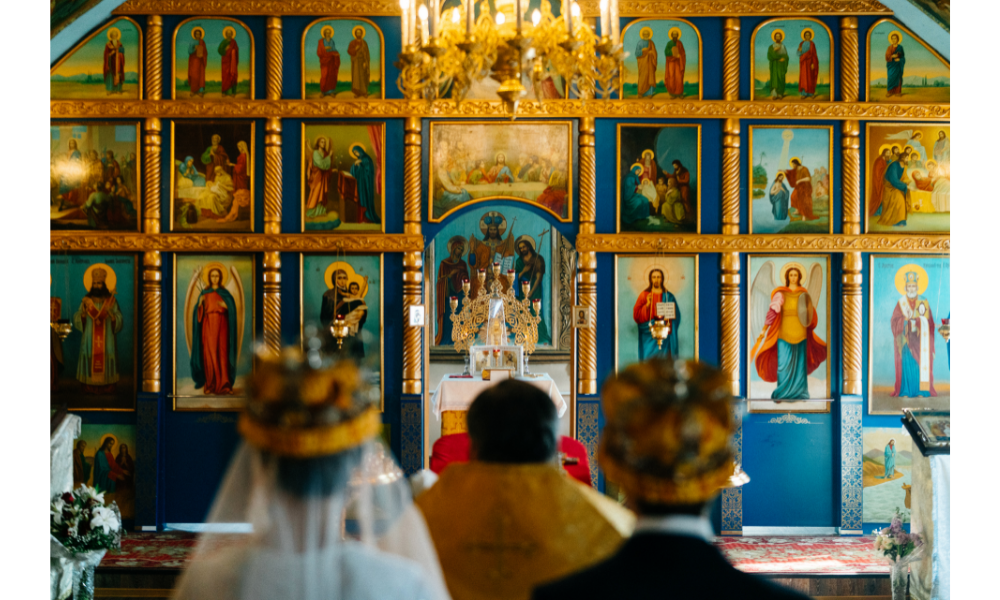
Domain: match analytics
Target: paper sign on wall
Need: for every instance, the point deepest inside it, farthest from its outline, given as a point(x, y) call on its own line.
point(417, 316)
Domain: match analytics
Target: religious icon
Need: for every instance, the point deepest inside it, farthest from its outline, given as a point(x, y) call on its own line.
point(212, 179)
point(789, 316)
point(664, 60)
point(583, 317)
point(104, 458)
point(792, 59)
point(343, 182)
point(909, 178)
point(94, 367)
point(213, 59)
point(909, 366)
point(903, 68)
point(342, 59)
point(106, 65)
point(659, 178)
point(94, 176)
point(473, 242)
point(526, 162)
point(348, 287)
point(213, 330)
point(790, 179)
point(655, 287)
point(886, 472)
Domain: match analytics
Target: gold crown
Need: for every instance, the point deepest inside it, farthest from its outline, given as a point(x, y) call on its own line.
point(306, 406)
point(668, 431)
point(912, 277)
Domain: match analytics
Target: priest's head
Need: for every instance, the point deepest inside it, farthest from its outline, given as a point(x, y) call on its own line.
point(666, 441)
point(512, 422)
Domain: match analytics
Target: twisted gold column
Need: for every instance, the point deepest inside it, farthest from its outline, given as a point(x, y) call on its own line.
point(152, 140)
point(851, 279)
point(273, 58)
point(731, 59)
point(272, 303)
point(730, 331)
point(154, 58)
point(731, 177)
point(586, 354)
point(850, 77)
point(851, 187)
point(272, 176)
point(413, 262)
point(152, 320)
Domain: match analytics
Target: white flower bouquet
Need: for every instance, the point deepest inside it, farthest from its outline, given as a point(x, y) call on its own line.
point(81, 522)
point(901, 549)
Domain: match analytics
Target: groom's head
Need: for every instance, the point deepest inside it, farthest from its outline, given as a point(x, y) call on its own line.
point(512, 422)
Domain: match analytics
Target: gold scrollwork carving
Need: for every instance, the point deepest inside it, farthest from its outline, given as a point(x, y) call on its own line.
point(731, 59)
point(273, 58)
point(731, 177)
point(729, 341)
point(152, 321)
point(851, 280)
point(588, 171)
point(234, 242)
point(851, 184)
point(152, 141)
point(624, 242)
point(272, 303)
point(693, 109)
point(850, 77)
point(722, 8)
point(260, 7)
point(272, 176)
point(154, 57)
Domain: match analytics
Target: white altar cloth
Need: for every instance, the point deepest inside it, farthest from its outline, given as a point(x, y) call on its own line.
point(457, 393)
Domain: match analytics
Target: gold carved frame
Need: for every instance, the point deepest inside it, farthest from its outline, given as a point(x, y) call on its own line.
point(833, 64)
point(381, 43)
point(139, 65)
point(697, 32)
point(173, 60)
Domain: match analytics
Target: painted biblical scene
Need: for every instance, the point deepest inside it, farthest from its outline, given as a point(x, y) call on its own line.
point(908, 178)
point(516, 238)
point(789, 320)
point(527, 162)
point(901, 68)
point(94, 176)
point(887, 473)
point(349, 287)
point(651, 287)
point(105, 66)
point(343, 60)
point(663, 60)
point(909, 326)
point(213, 59)
point(211, 183)
point(659, 178)
point(792, 60)
point(790, 179)
point(93, 338)
point(343, 180)
point(213, 330)
point(104, 458)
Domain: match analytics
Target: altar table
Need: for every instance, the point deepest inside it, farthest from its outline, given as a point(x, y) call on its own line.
point(457, 393)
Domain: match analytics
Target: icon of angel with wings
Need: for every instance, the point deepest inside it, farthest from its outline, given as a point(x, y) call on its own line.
point(783, 311)
point(213, 327)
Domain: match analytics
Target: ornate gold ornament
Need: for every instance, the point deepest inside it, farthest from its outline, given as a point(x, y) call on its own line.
point(483, 310)
point(454, 50)
point(673, 243)
point(232, 242)
point(575, 108)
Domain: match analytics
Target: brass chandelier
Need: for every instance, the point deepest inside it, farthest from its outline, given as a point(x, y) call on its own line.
point(452, 51)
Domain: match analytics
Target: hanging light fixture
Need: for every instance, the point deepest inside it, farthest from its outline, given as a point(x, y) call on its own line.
point(442, 55)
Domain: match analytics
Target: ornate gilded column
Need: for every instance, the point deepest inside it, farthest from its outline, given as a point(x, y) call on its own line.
point(731, 59)
point(731, 177)
point(272, 176)
point(851, 280)
point(729, 263)
point(851, 187)
point(152, 320)
point(850, 81)
point(272, 302)
point(586, 357)
point(413, 262)
point(152, 141)
point(273, 58)
point(154, 57)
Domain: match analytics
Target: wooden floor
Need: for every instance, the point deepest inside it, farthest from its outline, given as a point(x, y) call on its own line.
point(125, 584)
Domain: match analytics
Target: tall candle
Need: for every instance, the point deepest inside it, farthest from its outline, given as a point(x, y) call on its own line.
point(605, 21)
point(423, 24)
point(568, 15)
point(413, 22)
point(470, 16)
point(435, 15)
point(615, 32)
point(520, 15)
point(404, 22)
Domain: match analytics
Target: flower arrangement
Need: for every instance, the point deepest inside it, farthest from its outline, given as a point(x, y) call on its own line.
point(81, 522)
point(894, 543)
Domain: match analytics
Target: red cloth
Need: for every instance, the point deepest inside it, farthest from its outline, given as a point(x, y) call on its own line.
point(808, 69)
point(878, 178)
point(230, 67)
point(215, 344)
point(114, 62)
point(241, 179)
point(802, 192)
point(455, 448)
point(329, 67)
point(196, 68)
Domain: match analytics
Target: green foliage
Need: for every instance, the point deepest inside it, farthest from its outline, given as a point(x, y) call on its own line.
point(759, 174)
point(758, 193)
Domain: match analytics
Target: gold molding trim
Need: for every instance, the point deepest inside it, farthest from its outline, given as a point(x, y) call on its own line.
point(850, 60)
point(648, 109)
point(154, 57)
point(152, 321)
point(684, 243)
point(852, 327)
point(589, 8)
point(234, 242)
